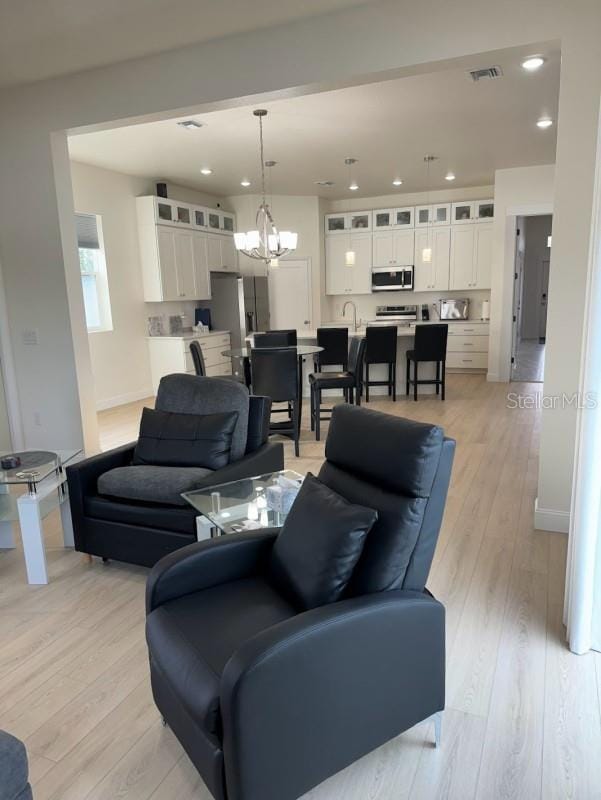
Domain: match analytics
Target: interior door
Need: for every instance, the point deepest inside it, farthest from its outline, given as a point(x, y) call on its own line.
point(518, 277)
point(167, 260)
point(544, 294)
point(290, 295)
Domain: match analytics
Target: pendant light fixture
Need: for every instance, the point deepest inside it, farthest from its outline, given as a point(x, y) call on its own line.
point(349, 256)
point(266, 243)
point(427, 250)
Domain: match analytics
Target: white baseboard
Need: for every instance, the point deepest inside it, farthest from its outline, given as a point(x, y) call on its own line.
point(492, 377)
point(123, 399)
point(550, 519)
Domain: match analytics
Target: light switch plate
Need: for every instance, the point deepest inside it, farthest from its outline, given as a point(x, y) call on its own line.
point(30, 336)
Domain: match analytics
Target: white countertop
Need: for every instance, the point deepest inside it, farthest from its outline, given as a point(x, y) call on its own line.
point(189, 335)
point(403, 329)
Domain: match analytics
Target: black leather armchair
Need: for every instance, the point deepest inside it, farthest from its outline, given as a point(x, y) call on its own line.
point(140, 529)
point(268, 700)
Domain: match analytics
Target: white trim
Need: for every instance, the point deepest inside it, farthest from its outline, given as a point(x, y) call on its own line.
point(551, 519)
point(493, 377)
point(124, 399)
point(13, 406)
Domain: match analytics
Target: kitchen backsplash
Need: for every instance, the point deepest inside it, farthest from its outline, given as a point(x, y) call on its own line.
point(367, 303)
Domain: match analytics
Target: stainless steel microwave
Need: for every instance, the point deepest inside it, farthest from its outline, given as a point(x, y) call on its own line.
point(384, 279)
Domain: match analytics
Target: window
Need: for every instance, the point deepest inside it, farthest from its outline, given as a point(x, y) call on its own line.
point(94, 279)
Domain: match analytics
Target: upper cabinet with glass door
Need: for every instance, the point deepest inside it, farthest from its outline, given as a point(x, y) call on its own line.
point(349, 221)
point(386, 218)
point(485, 210)
point(170, 212)
point(463, 213)
point(437, 214)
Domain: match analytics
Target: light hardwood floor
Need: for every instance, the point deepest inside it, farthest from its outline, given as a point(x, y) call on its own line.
point(522, 717)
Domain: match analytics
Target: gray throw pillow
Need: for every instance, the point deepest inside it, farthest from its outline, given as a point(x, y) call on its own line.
point(319, 545)
point(185, 440)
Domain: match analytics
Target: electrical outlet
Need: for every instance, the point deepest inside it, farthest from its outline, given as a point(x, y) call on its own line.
point(30, 336)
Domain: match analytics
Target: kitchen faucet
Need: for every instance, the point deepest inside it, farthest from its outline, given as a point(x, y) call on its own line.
point(350, 303)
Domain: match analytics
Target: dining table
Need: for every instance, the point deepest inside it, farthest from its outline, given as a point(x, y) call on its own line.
point(302, 350)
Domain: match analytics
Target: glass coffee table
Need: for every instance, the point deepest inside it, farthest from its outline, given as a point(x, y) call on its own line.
point(245, 505)
point(41, 474)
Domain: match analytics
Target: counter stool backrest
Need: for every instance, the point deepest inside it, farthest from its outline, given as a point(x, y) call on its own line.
point(381, 344)
point(280, 338)
point(431, 342)
point(335, 346)
point(275, 372)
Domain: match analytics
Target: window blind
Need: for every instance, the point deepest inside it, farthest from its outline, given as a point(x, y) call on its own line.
point(87, 231)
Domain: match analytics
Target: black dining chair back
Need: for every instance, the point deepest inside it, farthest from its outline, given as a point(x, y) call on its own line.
point(335, 348)
point(197, 358)
point(279, 338)
point(381, 347)
point(274, 374)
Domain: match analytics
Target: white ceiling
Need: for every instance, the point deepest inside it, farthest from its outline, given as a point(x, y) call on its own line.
point(474, 129)
point(44, 38)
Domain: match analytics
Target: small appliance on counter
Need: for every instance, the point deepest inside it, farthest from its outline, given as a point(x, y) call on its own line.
point(454, 309)
point(425, 313)
point(485, 313)
point(398, 314)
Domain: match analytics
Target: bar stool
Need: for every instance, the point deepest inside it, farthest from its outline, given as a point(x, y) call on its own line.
point(349, 380)
point(381, 345)
point(335, 348)
point(430, 345)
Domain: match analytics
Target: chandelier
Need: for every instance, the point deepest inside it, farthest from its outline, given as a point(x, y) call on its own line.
point(265, 243)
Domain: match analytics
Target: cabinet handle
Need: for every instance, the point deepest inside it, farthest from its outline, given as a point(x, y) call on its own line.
point(467, 360)
point(468, 344)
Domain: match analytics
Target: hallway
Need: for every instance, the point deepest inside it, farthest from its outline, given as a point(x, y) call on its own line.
point(530, 362)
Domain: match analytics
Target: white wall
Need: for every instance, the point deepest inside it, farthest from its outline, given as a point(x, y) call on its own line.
point(291, 212)
point(120, 359)
point(375, 39)
point(537, 229)
point(5, 441)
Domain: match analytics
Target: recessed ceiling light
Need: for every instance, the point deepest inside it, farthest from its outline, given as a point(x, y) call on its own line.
point(533, 63)
point(354, 186)
point(397, 182)
point(190, 124)
point(545, 122)
point(245, 182)
point(450, 176)
point(206, 171)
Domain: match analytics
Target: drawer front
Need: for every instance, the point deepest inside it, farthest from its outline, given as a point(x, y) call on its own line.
point(210, 342)
point(211, 358)
point(219, 369)
point(465, 344)
point(463, 328)
point(467, 360)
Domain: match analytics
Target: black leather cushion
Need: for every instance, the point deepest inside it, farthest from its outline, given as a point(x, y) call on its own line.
point(131, 512)
point(185, 440)
point(316, 551)
point(192, 638)
point(391, 452)
point(332, 380)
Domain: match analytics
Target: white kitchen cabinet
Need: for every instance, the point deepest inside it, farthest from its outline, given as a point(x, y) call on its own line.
point(184, 265)
point(482, 255)
point(471, 256)
point(348, 221)
point(171, 354)
point(173, 264)
point(343, 279)
point(171, 212)
point(202, 279)
point(484, 210)
point(161, 270)
point(222, 254)
point(433, 274)
point(437, 214)
point(463, 213)
point(393, 248)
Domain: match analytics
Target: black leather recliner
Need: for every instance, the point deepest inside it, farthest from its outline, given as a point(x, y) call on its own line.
point(137, 514)
point(267, 700)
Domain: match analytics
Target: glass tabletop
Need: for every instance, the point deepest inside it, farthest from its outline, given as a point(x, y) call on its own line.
point(244, 352)
point(249, 504)
point(35, 465)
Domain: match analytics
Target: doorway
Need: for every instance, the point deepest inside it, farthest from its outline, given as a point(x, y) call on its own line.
point(530, 297)
point(290, 294)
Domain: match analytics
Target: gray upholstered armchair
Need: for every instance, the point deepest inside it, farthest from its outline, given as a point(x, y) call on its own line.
point(269, 699)
point(14, 784)
point(135, 513)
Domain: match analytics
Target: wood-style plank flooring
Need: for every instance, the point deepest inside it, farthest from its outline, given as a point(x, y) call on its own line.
point(522, 718)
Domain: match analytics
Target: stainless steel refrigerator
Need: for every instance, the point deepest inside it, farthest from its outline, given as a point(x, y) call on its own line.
point(240, 306)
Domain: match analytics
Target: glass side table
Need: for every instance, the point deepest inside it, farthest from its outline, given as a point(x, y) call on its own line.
point(237, 506)
point(41, 473)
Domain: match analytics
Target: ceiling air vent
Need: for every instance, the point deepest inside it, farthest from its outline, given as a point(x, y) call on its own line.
point(488, 73)
point(324, 183)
